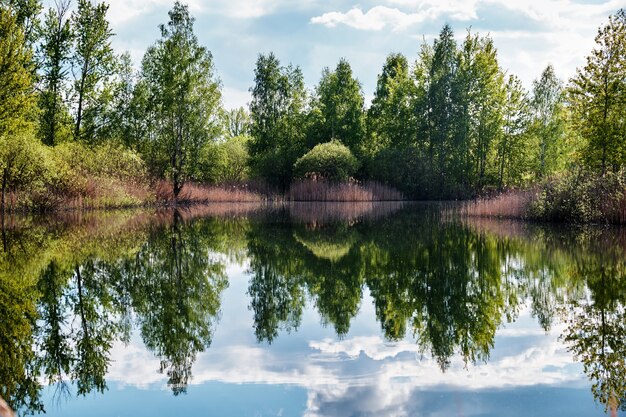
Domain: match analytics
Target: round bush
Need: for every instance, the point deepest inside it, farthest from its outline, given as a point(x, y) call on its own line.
point(331, 160)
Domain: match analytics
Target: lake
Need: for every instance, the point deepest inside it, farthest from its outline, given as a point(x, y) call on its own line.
point(373, 309)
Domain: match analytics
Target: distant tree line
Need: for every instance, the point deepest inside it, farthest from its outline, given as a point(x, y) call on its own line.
point(454, 124)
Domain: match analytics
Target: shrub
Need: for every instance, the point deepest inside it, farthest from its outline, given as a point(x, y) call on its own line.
point(582, 198)
point(331, 160)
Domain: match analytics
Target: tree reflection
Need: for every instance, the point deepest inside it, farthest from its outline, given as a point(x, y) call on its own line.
point(176, 293)
point(596, 331)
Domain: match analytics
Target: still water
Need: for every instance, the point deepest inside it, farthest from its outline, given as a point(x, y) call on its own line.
point(310, 310)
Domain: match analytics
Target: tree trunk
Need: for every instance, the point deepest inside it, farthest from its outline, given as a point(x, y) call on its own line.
point(4, 190)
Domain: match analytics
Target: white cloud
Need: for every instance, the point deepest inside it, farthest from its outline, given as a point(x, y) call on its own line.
point(557, 14)
point(376, 18)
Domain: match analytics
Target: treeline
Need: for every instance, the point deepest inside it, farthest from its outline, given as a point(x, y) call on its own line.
point(454, 124)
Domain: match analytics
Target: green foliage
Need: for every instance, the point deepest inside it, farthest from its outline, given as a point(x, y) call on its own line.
point(390, 118)
point(337, 109)
point(224, 162)
point(236, 122)
point(277, 120)
point(183, 98)
point(17, 102)
point(55, 122)
point(92, 60)
point(331, 160)
point(598, 98)
point(513, 156)
point(584, 197)
point(547, 125)
point(107, 160)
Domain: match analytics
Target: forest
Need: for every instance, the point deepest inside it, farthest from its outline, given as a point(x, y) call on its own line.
point(81, 127)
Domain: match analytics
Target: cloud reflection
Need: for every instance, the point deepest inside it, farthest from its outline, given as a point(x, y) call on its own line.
point(366, 374)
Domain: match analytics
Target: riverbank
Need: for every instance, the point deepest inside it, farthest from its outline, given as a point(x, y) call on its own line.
point(572, 198)
point(97, 192)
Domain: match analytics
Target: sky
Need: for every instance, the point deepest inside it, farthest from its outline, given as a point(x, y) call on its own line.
point(313, 34)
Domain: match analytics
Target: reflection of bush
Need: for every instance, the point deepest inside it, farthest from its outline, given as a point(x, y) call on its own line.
point(326, 243)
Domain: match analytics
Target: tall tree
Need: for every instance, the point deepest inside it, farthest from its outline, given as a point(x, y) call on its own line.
point(17, 104)
point(184, 97)
point(440, 105)
point(390, 119)
point(511, 151)
point(277, 119)
point(236, 122)
point(338, 106)
point(93, 57)
point(54, 56)
point(548, 127)
point(598, 98)
point(27, 17)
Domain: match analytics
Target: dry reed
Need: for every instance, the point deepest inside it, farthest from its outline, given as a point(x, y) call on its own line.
point(192, 193)
point(509, 205)
point(318, 190)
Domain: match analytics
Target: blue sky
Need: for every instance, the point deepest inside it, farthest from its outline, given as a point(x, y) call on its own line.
point(314, 34)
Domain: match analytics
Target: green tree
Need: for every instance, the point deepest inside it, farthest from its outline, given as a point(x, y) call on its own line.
point(26, 13)
point(54, 53)
point(440, 106)
point(236, 122)
point(512, 154)
point(92, 61)
point(331, 160)
point(224, 162)
point(390, 118)
point(20, 158)
point(338, 111)
point(547, 124)
point(598, 98)
point(17, 101)
point(183, 97)
point(277, 120)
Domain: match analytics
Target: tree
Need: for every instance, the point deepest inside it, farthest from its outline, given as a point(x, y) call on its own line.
point(338, 110)
point(442, 71)
point(184, 97)
point(57, 37)
point(547, 125)
point(224, 162)
point(236, 122)
point(26, 14)
point(598, 98)
point(277, 119)
point(19, 159)
point(390, 119)
point(511, 150)
point(92, 61)
point(17, 103)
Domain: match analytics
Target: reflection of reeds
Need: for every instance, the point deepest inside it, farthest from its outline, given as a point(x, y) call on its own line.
point(511, 205)
point(318, 213)
point(311, 190)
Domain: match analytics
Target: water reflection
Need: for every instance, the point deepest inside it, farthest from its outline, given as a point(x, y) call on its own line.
point(71, 288)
